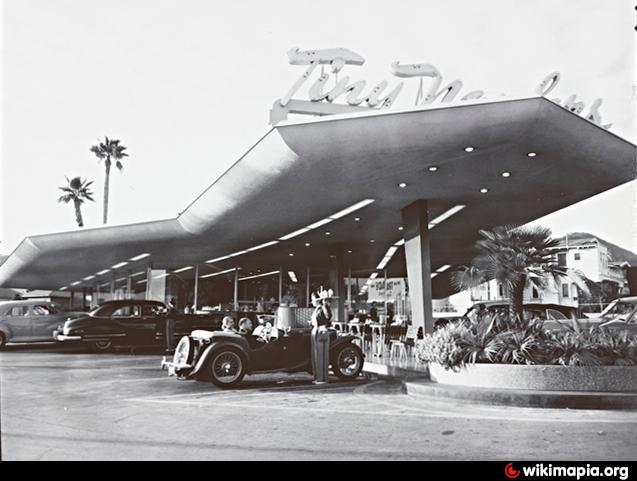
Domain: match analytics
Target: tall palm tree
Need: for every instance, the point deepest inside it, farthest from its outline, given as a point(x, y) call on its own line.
point(516, 257)
point(76, 190)
point(108, 151)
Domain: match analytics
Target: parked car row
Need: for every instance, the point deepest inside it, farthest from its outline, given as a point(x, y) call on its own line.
point(619, 314)
point(115, 323)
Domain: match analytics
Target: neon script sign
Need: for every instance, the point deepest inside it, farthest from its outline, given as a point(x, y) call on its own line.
point(321, 99)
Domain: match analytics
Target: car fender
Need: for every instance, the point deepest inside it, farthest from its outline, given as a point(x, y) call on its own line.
point(6, 332)
point(214, 347)
point(340, 341)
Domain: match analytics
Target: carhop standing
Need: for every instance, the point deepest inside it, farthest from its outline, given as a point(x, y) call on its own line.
point(321, 321)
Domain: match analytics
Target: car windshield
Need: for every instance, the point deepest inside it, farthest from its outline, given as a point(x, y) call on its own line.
point(619, 308)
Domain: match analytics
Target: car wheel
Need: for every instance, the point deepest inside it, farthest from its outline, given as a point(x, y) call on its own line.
point(227, 368)
point(184, 352)
point(3, 341)
point(103, 346)
point(347, 361)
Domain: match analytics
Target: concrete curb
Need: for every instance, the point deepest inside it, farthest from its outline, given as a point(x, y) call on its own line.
point(523, 398)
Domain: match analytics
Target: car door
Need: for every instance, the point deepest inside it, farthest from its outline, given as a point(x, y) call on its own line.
point(18, 323)
point(45, 320)
point(139, 331)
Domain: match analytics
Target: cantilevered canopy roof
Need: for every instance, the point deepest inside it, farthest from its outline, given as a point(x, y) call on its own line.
point(528, 157)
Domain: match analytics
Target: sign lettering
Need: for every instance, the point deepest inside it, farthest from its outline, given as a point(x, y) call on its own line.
point(322, 98)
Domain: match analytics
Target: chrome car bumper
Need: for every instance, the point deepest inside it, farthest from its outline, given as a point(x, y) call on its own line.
point(62, 337)
point(174, 369)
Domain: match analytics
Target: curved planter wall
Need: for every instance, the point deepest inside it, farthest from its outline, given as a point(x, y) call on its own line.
point(540, 378)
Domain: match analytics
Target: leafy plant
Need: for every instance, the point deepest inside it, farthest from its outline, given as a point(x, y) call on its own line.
point(508, 340)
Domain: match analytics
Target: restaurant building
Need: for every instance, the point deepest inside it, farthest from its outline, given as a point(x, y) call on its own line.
point(345, 186)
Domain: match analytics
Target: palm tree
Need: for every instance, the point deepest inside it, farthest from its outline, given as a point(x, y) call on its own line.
point(109, 150)
point(516, 257)
point(76, 190)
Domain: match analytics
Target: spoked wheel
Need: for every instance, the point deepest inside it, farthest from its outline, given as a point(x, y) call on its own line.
point(227, 368)
point(103, 346)
point(347, 361)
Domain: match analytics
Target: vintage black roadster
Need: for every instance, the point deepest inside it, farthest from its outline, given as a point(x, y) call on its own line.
point(223, 358)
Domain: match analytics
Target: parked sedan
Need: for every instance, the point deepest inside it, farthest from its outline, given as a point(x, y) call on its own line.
point(132, 322)
point(30, 320)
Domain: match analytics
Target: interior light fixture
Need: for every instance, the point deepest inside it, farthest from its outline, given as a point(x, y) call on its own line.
point(291, 254)
point(294, 234)
point(433, 168)
point(259, 275)
point(445, 215)
point(400, 228)
point(352, 208)
point(88, 278)
point(75, 283)
point(222, 258)
point(321, 222)
point(433, 274)
point(138, 273)
point(506, 174)
point(357, 219)
point(139, 257)
point(443, 268)
point(102, 272)
point(328, 233)
point(372, 240)
point(400, 242)
point(119, 264)
point(484, 190)
point(183, 269)
point(292, 276)
point(307, 244)
point(63, 288)
point(120, 279)
point(402, 185)
point(143, 281)
point(469, 149)
point(217, 273)
point(531, 154)
point(262, 246)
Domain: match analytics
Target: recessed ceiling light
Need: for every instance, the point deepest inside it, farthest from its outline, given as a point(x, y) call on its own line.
point(433, 168)
point(531, 154)
point(402, 185)
point(328, 233)
point(357, 219)
point(400, 228)
point(469, 149)
point(349, 252)
point(307, 244)
point(506, 174)
point(291, 254)
point(484, 191)
point(372, 241)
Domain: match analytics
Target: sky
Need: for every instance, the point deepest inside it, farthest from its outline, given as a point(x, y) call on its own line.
point(187, 85)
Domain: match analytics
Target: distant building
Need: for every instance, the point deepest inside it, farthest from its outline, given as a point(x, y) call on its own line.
point(590, 256)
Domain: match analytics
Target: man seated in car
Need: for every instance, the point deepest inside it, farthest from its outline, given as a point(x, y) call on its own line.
point(227, 325)
point(245, 326)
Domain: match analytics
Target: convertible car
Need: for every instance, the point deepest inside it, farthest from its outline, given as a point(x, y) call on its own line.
point(223, 358)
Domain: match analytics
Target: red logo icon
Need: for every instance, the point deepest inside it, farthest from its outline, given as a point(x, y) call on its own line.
point(511, 472)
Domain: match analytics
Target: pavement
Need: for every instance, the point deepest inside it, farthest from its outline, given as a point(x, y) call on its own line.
point(69, 405)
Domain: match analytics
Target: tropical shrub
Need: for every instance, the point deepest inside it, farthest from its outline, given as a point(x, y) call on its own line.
point(503, 340)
